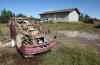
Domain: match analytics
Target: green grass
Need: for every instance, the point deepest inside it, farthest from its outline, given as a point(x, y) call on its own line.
point(70, 26)
point(4, 31)
point(4, 28)
point(71, 56)
point(64, 55)
point(61, 56)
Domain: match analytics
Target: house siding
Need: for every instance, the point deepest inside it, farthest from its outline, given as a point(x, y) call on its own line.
point(73, 17)
point(61, 17)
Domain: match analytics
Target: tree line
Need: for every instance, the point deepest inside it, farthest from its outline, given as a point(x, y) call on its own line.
point(86, 18)
point(7, 14)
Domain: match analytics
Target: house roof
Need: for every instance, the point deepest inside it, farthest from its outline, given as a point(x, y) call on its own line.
point(62, 11)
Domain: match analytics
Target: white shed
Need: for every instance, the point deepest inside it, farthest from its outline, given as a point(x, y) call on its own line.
point(66, 15)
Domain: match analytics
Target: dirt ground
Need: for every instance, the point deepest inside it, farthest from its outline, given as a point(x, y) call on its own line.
point(9, 56)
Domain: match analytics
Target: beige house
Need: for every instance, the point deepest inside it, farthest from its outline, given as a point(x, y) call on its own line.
point(66, 15)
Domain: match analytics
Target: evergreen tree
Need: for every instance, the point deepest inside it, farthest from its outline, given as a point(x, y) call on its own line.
point(5, 16)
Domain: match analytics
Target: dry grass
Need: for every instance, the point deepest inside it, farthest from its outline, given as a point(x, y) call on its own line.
point(60, 55)
point(67, 52)
point(71, 26)
point(4, 32)
point(71, 56)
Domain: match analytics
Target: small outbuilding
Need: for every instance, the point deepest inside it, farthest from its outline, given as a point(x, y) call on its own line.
point(66, 15)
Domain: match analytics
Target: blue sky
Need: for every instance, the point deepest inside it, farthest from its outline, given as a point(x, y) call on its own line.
point(34, 7)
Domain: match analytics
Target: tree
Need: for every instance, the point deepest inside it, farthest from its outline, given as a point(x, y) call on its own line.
point(86, 18)
point(5, 16)
point(20, 15)
point(81, 18)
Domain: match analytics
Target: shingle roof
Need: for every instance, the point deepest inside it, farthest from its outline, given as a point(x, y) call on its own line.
point(61, 11)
